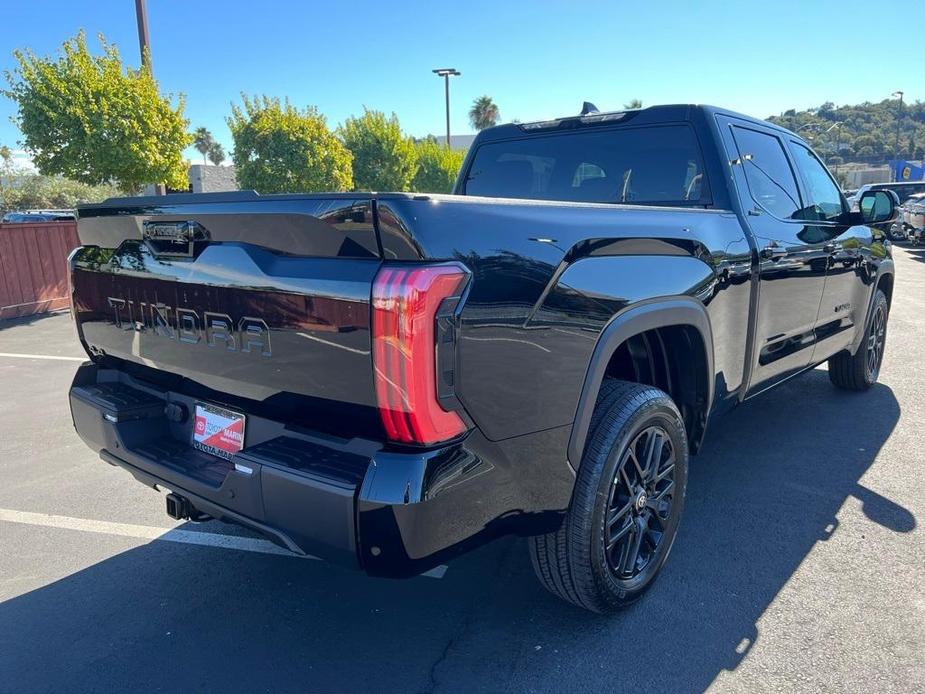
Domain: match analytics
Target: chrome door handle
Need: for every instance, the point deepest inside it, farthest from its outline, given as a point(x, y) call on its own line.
point(829, 248)
point(773, 251)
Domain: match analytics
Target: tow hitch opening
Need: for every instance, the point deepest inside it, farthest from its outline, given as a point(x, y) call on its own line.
point(180, 508)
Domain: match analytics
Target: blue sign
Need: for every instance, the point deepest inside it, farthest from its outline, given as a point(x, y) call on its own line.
point(908, 170)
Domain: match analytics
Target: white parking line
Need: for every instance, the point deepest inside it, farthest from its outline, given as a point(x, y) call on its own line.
point(13, 355)
point(147, 532)
point(333, 344)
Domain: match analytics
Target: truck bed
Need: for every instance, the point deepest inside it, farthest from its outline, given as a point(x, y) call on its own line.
point(284, 283)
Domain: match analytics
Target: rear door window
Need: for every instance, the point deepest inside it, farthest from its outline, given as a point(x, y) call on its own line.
point(647, 165)
point(771, 181)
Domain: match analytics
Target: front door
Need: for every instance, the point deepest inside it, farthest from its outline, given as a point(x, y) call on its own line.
point(851, 269)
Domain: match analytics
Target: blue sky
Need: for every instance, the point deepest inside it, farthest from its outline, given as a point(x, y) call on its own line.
point(536, 59)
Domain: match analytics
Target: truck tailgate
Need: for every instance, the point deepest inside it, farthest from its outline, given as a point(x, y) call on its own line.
point(257, 299)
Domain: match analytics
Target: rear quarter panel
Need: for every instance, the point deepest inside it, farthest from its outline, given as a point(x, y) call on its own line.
point(548, 277)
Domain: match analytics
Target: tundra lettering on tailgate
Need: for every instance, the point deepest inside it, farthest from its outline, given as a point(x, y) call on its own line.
point(186, 325)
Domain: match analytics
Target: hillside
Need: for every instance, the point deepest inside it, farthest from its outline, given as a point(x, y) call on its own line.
point(866, 132)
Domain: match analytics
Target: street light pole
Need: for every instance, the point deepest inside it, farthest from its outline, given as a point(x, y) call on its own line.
point(446, 73)
point(899, 116)
point(144, 45)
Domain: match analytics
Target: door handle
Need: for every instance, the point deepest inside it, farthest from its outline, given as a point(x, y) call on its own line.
point(773, 251)
point(829, 247)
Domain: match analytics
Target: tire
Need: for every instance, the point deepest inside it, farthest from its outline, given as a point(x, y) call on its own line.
point(859, 371)
point(617, 479)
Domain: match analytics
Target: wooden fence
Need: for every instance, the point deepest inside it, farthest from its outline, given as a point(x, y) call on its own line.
point(33, 267)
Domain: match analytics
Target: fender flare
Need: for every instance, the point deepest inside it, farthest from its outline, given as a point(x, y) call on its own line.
point(658, 313)
point(886, 267)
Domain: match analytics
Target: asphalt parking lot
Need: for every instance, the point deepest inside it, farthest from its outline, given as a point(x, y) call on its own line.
point(800, 565)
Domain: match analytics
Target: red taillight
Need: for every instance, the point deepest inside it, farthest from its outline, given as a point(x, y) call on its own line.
point(405, 304)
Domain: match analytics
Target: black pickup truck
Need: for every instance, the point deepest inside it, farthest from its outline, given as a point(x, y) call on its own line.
point(387, 380)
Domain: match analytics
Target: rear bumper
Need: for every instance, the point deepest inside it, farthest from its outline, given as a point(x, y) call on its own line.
point(349, 501)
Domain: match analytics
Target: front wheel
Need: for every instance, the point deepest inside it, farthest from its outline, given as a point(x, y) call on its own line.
point(859, 371)
point(627, 503)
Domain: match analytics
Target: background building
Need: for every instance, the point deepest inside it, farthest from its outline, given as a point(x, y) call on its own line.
point(211, 179)
point(460, 142)
point(204, 178)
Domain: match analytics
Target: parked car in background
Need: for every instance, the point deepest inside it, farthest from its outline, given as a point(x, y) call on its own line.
point(39, 216)
point(903, 189)
point(914, 218)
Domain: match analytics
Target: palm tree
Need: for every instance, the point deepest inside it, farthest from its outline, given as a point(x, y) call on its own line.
point(203, 141)
point(216, 153)
point(633, 103)
point(484, 113)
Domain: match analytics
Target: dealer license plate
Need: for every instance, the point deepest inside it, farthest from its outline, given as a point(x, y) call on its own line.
point(218, 431)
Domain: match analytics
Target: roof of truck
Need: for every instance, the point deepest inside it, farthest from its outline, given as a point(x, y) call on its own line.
point(667, 113)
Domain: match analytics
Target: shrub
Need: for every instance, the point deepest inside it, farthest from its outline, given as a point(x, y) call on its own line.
point(279, 148)
point(438, 167)
point(383, 157)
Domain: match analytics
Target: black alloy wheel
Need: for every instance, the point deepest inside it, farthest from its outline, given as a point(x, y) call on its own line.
point(876, 341)
point(641, 503)
point(626, 505)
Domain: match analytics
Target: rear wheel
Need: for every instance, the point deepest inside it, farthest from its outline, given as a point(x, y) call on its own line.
point(626, 505)
point(859, 371)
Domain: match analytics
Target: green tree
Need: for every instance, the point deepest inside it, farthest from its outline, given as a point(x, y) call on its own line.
point(22, 189)
point(216, 153)
point(484, 113)
point(384, 158)
point(8, 184)
point(865, 130)
point(633, 103)
point(91, 119)
point(437, 167)
point(203, 142)
point(279, 148)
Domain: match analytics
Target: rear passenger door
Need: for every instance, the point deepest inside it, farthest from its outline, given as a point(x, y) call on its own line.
point(792, 263)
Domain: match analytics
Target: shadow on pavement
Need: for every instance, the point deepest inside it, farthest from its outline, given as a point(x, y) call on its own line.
point(768, 487)
point(28, 320)
point(916, 253)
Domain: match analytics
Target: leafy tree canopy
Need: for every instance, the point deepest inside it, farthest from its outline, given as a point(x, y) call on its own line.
point(384, 158)
point(216, 153)
point(438, 167)
point(91, 119)
point(484, 113)
point(279, 148)
point(203, 141)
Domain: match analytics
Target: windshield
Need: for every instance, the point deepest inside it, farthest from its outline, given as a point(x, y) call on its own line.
point(651, 165)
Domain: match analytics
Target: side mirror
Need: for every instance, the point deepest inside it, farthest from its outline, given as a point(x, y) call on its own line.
point(878, 206)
